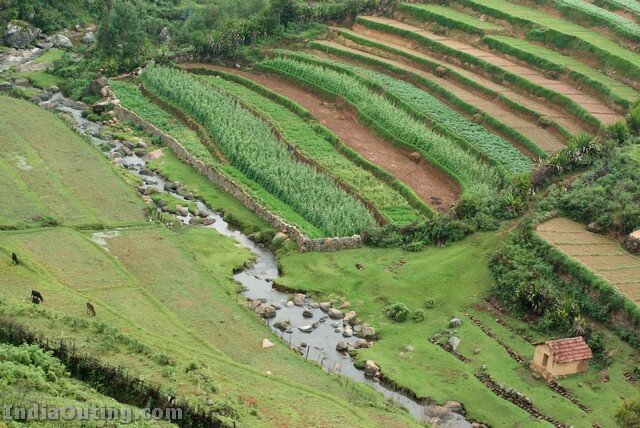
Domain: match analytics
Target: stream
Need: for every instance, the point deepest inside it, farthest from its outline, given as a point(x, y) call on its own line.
point(257, 281)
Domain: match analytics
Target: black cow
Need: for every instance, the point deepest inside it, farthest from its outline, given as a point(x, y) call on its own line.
point(36, 297)
point(14, 259)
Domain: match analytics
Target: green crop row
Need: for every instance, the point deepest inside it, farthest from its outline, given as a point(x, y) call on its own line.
point(251, 146)
point(383, 199)
point(554, 61)
point(396, 123)
point(583, 10)
point(496, 71)
point(444, 120)
point(166, 119)
point(449, 18)
point(561, 34)
point(628, 5)
point(435, 88)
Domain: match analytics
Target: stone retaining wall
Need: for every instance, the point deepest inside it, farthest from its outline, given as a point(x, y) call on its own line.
point(304, 243)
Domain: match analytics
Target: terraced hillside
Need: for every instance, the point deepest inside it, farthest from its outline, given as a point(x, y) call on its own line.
point(581, 105)
point(600, 254)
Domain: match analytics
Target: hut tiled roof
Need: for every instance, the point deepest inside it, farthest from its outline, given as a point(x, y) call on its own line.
point(567, 350)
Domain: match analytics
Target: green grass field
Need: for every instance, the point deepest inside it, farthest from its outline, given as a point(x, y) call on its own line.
point(49, 173)
point(457, 279)
point(169, 295)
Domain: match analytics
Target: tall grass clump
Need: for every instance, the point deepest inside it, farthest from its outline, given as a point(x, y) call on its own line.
point(251, 146)
point(472, 174)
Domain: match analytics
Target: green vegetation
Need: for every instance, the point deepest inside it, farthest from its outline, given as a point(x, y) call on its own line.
point(473, 175)
point(41, 185)
point(448, 17)
point(606, 196)
point(562, 34)
point(295, 131)
point(496, 71)
point(252, 147)
point(180, 279)
point(551, 60)
point(425, 106)
point(631, 6)
point(132, 98)
point(591, 12)
point(443, 283)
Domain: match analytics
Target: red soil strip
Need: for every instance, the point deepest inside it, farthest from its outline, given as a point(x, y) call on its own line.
point(593, 105)
point(428, 182)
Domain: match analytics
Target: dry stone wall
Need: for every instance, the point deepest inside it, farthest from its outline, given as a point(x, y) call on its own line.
point(304, 243)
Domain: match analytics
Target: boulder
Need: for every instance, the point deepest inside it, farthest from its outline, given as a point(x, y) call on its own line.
point(348, 332)
point(95, 87)
point(289, 304)
point(20, 34)
point(60, 41)
point(335, 313)
point(53, 89)
point(408, 348)
point(351, 315)
point(161, 203)
point(6, 86)
point(455, 322)
point(325, 306)
point(595, 227)
point(265, 310)
point(165, 35)
point(344, 305)
point(415, 157)
point(182, 211)
point(307, 313)
point(370, 368)
point(298, 299)
point(89, 38)
point(342, 346)
point(208, 222)
point(266, 343)
point(453, 343)
point(361, 343)
point(306, 328)
point(455, 407)
point(282, 325)
point(632, 241)
point(368, 331)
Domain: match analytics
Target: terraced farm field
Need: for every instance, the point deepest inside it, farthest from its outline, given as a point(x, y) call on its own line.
point(579, 103)
point(600, 254)
point(563, 34)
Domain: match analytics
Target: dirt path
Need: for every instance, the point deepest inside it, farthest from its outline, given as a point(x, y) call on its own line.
point(600, 254)
point(593, 105)
point(544, 138)
point(429, 183)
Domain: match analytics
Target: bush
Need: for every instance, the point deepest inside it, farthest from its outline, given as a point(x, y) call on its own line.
point(418, 316)
point(397, 312)
point(430, 303)
point(628, 414)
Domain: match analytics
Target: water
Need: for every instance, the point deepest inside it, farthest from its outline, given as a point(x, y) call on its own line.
point(15, 58)
point(257, 281)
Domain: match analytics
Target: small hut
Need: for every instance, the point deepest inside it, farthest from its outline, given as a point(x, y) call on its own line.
point(561, 357)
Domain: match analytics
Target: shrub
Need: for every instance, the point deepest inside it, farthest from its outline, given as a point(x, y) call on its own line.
point(430, 303)
point(628, 414)
point(397, 312)
point(418, 316)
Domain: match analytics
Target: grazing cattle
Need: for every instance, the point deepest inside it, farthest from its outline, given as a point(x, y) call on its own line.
point(91, 310)
point(14, 259)
point(36, 297)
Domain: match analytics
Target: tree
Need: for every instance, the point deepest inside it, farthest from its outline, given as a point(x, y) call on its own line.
point(121, 37)
point(628, 414)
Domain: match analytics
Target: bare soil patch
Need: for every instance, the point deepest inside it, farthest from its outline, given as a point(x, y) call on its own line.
point(427, 181)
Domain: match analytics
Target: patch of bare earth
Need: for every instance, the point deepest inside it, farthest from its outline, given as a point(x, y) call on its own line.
point(600, 254)
point(428, 182)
